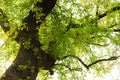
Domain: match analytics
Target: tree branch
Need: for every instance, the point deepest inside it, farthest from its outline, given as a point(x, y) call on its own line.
point(109, 11)
point(111, 26)
point(116, 30)
point(98, 44)
point(93, 63)
point(101, 60)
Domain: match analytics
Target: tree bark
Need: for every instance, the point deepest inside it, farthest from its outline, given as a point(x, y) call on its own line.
point(30, 55)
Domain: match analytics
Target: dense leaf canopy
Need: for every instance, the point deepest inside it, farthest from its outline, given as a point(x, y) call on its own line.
point(87, 30)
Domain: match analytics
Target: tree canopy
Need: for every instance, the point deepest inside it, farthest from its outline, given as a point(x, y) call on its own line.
point(65, 38)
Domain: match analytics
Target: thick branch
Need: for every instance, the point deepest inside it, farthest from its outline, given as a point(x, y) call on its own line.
point(93, 63)
point(109, 11)
point(101, 60)
point(47, 5)
point(117, 30)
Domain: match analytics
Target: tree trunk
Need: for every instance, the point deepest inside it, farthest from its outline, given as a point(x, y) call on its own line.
point(30, 55)
point(25, 66)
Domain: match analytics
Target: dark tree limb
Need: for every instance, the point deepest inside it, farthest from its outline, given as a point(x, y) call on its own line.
point(111, 26)
point(116, 30)
point(93, 63)
point(98, 44)
point(109, 11)
point(101, 60)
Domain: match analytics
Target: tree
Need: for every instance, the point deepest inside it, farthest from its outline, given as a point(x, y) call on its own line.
point(51, 35)
point(30, 56)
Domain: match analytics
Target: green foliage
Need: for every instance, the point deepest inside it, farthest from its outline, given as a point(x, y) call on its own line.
point(16, 10)
point(85, 34)
point(77, 41)
point(60, 42)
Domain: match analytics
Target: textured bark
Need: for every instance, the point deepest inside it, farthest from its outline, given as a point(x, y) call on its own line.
point(30, 56)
